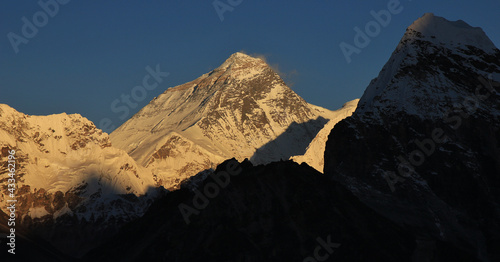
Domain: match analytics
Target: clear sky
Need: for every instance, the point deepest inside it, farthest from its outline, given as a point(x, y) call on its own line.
point(83, 55)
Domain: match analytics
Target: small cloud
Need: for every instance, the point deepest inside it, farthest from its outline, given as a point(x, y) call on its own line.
point(256, 55)
point(289, 78)
point(286, 76)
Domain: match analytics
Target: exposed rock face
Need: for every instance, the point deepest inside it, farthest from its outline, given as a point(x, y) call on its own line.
point(423, 147)
point(66, 171)
point(181, 156)
point(242, 109)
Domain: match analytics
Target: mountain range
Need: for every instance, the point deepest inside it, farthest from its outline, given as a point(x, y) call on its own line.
point(409, 172)
point(72, 176)
point(241, 109)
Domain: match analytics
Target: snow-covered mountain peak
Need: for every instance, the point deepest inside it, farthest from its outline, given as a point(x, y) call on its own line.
point(68, 155)
point(6, 110)
point(236, 110)
point(425, 138)
point(237, 68)
point(67, 173)
point(437, 63)
point(241, 58)
point(240, 66)
point(439, 30)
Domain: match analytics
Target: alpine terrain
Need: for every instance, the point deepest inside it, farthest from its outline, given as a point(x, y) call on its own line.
point(67, 173)
point(315, 152)
point(242, 109)
point(409, 172)
point(423, 146)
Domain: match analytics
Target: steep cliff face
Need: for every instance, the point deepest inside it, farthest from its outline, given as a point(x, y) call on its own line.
point(242, 109)
point(423, 146)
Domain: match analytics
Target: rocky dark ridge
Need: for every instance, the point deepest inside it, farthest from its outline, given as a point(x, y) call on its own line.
point(425, 150)
point(29, 247)
point(269, 213)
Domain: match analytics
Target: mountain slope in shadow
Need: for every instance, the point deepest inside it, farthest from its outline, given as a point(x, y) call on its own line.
point(293, 142)
point(278, 212)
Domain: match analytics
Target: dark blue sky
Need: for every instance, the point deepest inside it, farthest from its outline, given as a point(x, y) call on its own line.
point(91, 52)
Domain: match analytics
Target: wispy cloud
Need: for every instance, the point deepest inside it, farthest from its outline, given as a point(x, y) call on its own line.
point(289, 77)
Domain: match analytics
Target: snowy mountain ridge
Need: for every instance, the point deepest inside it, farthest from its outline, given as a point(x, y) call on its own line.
point(241, 109)
point(413, 82)
point(314, 155)
point(453, 34)
point(64, 165)
point(423, 146)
